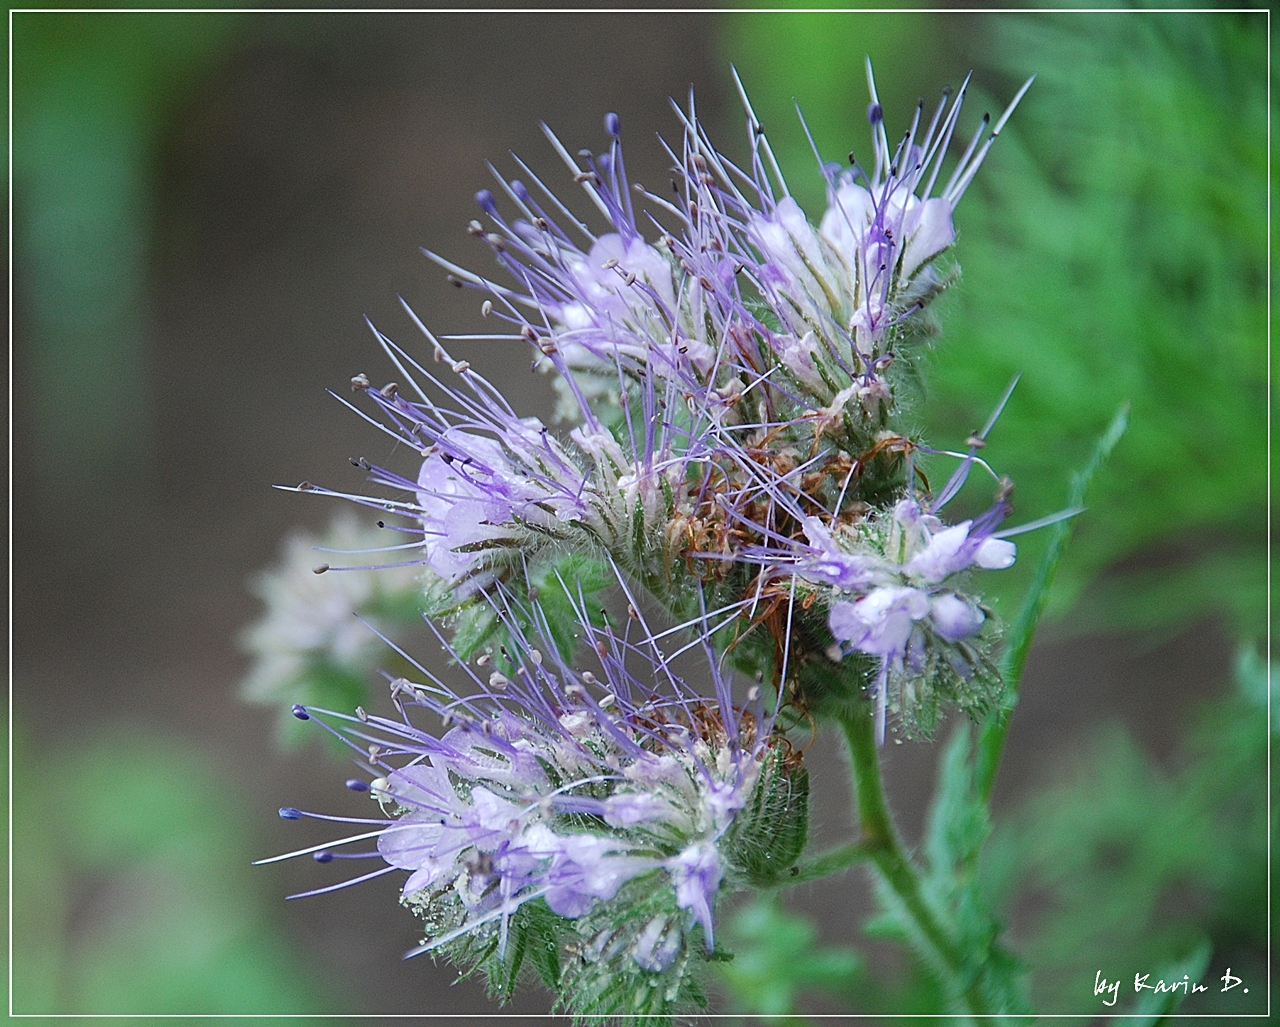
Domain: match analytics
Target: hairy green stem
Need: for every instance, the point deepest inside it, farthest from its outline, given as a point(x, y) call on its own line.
point(886, 852)
point(842, 857)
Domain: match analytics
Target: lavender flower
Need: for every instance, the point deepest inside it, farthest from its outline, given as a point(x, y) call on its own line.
point(606, 810)
point(908, 599)
point(893, 582)
point(893, 585)
point(739, 346)
point(468, 490)
point(851, 285)
point(735, 454)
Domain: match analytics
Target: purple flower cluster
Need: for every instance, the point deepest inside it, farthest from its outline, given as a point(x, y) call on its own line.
point(898, 589)
point(740, 339)
point(731, 373)
point(561, 785)
point(844, 287)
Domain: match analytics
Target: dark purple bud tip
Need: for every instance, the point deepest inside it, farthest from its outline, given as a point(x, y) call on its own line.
point(322, 856)
point(356, 785)
point(874, 113)
point(520, 189)
point(289, 813)
point(300, 712)
point(485, 199)
point(611, 124)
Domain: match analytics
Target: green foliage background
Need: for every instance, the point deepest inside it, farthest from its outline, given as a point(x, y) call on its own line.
point(157, 850)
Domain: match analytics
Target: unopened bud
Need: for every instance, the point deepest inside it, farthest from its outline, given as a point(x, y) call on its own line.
point(769, 833)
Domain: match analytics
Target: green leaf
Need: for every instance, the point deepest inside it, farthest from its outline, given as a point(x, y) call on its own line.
point(517, 941)
point(545, 931)
point(475, 626)
point(958, 823)
point(1023, 630)
point(1253, 680)
point(777, 956)
point(769, 833)
point(957, 828)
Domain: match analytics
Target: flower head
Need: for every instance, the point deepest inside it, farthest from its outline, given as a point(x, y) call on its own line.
point(737, 335)
point(894, 585)
point(593, 797)
point(731, 374)
point(867, 268)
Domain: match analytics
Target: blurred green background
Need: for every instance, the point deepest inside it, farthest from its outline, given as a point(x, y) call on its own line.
point(206, 205)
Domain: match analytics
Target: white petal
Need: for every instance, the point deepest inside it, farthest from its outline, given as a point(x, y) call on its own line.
point(996, 554)
point(933, 233)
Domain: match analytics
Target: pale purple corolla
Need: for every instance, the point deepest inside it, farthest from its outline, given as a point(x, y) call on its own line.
point(465, 503)
point(696, 872)
point(868, 266)
point(881, 621)
point(907, 580)
point(475, 493)
point(623, 287)
point(498, 810)
point(827, 562)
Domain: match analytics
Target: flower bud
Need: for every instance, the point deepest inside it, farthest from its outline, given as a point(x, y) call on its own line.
point(769, 834)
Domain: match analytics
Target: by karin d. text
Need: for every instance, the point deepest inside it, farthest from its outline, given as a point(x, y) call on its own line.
point(1142, 982)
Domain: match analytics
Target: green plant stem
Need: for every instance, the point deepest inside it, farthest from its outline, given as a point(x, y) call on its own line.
point(885, 850)
point(827, 863)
